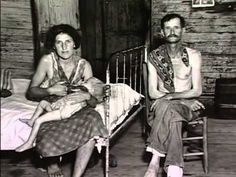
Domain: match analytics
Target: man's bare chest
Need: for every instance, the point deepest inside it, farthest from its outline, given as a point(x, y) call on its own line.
point(181, 71)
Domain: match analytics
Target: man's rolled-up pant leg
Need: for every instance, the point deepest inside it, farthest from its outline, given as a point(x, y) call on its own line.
point(174, 155)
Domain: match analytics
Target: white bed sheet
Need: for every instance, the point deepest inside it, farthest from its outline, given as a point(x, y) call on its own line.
point(14, 133)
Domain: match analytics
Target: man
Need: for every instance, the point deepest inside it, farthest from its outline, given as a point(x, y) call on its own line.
point(174, 80)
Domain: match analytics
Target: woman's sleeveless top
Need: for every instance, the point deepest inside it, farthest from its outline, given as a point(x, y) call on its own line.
point(59, 76)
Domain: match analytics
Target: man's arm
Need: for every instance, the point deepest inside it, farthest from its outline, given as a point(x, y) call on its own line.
point(154, 93)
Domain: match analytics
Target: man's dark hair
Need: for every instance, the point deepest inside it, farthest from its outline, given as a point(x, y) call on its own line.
point(169, 17)
point(62, 28)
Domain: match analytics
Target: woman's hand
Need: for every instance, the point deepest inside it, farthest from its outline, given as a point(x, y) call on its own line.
point(58, 89)
point(194, 105)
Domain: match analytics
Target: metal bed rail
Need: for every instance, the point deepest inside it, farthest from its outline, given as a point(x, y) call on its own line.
point(125, 66)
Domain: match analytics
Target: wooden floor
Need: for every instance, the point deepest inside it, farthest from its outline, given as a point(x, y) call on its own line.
point(132, 159)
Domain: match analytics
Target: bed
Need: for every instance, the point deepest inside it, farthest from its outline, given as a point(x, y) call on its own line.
point(124, 87)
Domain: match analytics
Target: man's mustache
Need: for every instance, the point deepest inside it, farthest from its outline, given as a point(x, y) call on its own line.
point(173, 35)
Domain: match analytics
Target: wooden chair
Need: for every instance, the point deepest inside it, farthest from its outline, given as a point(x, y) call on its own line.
point(196, 141)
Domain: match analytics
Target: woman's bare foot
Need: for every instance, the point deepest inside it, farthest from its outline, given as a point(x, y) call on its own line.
point(54, 171)
point(24, 147)
point(151, 171)
point(29, 122)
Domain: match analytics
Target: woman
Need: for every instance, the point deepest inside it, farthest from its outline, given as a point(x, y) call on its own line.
point(56, 72)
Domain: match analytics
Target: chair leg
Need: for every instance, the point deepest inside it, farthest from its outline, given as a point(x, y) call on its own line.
point(205, 149)
point(145, 126)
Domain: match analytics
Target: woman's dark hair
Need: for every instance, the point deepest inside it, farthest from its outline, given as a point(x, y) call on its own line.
point(62, 28)
point(169, 17)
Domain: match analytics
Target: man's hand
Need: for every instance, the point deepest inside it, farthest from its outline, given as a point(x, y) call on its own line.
point(58, 89)
point(194, 105)
point(154, 105)
point(168, 96)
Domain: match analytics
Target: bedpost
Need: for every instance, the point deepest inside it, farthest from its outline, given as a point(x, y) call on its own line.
point(107, 118)
point(108, 74)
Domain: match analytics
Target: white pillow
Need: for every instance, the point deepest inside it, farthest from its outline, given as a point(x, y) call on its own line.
point(20, 85)
point(122, 99)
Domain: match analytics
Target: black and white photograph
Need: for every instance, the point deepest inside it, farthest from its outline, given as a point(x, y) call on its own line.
point(118, 88)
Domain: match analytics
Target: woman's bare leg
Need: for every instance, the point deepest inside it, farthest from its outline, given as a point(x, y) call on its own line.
point(153, 166)
point(54, 115)
point(82, 158)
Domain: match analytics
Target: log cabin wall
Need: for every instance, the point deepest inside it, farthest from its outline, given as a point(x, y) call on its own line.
point(17, 47)
point(210, 30)
point(23, 25)
point(53, 12)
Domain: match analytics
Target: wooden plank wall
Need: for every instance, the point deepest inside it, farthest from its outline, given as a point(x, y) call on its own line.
point(53, 12)
point(17, 37)
point(210, 30)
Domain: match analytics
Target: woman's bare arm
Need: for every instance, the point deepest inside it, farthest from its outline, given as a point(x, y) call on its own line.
point(35, 92)
point(87, 71)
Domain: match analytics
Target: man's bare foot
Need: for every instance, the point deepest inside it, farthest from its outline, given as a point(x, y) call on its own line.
point(174, 171)
point(54, 171)
point(29, 122)
point(151, 171)
point(24, 147)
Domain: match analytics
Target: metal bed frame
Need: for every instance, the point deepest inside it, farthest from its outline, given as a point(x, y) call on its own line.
point(126, 67)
